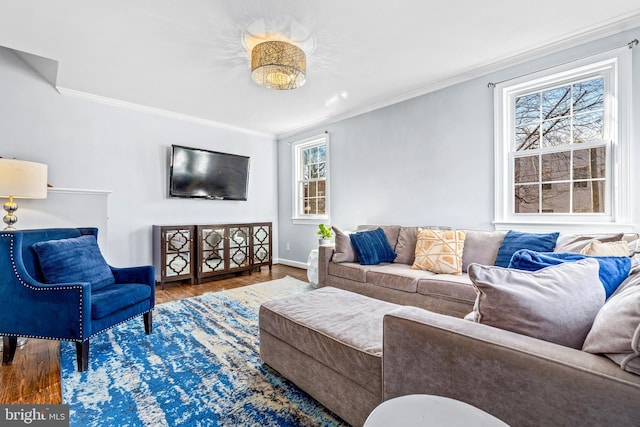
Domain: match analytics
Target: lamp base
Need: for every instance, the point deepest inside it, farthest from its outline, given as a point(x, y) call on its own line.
point(10, 219)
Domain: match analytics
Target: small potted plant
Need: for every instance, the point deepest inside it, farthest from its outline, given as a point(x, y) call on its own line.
point(324, 231)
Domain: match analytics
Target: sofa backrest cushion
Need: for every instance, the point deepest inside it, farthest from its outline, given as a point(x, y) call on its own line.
point(577, 242)
point(481, 247)
point(515, 240)
point(616, 330)
point(391, 231)
point(407, 238)
point(556, 304)
point(73, 260)
point(372, 247)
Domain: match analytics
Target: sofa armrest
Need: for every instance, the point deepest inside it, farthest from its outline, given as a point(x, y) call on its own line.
point(521, 380)
point(325, 253)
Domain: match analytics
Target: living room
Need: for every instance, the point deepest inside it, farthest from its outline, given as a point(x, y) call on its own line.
point(421, 156)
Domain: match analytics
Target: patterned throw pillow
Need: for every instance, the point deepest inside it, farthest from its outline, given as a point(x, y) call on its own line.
point(439, 251)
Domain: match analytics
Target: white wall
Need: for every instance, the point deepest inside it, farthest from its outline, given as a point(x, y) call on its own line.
point(89, 145)
point(425, 161)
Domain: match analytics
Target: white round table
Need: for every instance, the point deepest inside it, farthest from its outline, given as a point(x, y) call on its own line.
point(312, 267)
point(427, 410)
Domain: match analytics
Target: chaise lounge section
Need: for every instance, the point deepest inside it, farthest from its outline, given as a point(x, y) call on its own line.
point(371, 341)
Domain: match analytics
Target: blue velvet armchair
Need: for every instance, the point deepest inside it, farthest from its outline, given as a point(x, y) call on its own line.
point(54, 284)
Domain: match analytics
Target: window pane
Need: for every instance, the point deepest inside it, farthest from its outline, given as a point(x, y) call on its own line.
point(527, 109)
point(556, 102)
point(526, 198)
point(313, 171)
point(555, 198)
point(555, 166)
point(588, 96)
point(588, 164)
point(588, 127)
point(588, 197)
point(526, 169)
point(321, 206)
point(556, 132)
point(305, 172)
point(322, 153)
point(528, 137)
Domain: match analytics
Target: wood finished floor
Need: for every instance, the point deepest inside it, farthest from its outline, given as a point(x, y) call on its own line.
point(34, 375)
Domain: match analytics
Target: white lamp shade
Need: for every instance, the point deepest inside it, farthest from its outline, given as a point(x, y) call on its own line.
point(23, 180)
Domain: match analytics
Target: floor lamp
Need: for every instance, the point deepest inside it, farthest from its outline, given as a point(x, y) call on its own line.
point(20, 180)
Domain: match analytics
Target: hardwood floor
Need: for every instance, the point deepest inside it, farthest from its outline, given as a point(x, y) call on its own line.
point(34, 375)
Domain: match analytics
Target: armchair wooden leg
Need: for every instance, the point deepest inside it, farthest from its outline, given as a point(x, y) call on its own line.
point(82, 355)
point(148, 322)
point(9, 345)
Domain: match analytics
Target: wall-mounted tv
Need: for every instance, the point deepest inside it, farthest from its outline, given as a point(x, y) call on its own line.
point(204, 174)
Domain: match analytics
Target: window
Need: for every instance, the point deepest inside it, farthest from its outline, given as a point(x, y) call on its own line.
point(562, 145)
point(311, 178)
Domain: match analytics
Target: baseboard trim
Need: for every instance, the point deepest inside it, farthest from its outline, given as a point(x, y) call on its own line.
point(292, 263)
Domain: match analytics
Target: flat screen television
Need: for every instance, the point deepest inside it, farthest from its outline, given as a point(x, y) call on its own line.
point(203, 174)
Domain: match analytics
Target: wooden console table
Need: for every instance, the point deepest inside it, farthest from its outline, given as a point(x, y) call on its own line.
point(196, 252)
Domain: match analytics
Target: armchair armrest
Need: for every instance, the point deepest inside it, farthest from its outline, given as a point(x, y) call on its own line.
point(144, 274)
point(519, 379)
point(325, 253)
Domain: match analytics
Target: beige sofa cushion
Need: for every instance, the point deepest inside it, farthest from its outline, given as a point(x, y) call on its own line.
point(481, 247)
point(349, 270)
point(556, 304)
point(396, 276)
point(448, 286)
point(616, 330)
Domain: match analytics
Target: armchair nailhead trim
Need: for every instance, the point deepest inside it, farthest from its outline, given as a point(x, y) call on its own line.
point(33, 288)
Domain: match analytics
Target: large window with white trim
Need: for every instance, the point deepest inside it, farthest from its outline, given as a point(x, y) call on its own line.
point(311, 178)
point(562, 144)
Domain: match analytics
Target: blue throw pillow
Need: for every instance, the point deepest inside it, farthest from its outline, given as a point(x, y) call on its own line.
point(72, 261)
point(613, 269)
point(372, 247)
point(516, 240)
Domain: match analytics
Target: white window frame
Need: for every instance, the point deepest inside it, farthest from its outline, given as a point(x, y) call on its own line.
point(299, 217)
point(616, 66)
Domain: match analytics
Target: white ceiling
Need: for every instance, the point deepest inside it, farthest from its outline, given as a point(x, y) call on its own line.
point(188, 57)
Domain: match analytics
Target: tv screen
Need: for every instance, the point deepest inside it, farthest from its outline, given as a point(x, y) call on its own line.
point(204, 174)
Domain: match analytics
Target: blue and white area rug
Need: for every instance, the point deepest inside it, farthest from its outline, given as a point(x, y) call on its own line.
point(199, 367)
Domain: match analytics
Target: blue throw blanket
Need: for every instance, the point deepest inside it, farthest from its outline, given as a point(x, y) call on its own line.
point(613, 269)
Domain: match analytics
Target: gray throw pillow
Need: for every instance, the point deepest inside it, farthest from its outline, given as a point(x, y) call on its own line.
point(616, 330)
point(556, 304)
point(343, 250)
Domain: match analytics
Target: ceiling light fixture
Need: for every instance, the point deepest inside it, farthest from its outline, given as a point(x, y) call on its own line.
point(278, 65)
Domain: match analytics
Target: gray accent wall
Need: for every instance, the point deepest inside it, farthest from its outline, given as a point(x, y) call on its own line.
point(90, 145)
point(424, 161)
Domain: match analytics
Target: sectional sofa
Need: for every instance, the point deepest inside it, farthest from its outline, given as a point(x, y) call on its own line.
point(374, 332)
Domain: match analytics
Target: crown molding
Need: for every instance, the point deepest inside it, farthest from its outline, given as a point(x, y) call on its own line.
point(160, 112)
point(609, 28)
